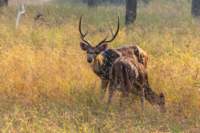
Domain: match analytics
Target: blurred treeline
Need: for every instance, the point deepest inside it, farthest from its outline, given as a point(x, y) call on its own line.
point(95, 1)
point(101, 1)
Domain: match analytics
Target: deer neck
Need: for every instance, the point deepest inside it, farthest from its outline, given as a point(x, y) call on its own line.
point(97, 63)
point(101, 66)
point(103, 63)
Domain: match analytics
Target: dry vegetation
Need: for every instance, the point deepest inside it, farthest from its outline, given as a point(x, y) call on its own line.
point(47, 86)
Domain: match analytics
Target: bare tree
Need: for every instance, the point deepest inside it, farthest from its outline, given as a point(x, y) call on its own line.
point(131, 11)
point(21, 11)
point(196, 8)
point(3, 3)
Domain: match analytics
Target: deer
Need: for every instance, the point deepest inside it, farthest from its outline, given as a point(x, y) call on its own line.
point(101, 58)
point(129, 76)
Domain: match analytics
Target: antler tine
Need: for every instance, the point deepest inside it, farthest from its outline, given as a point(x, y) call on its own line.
point(113, 35)
point(116, 33)
point(82, 35)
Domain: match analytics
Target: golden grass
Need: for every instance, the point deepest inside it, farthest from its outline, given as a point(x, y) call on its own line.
point(47, 86)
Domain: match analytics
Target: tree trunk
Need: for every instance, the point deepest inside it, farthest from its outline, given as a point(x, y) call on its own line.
point(196, 8)
point(131, 11)
point(92, 3)
point(3, 3)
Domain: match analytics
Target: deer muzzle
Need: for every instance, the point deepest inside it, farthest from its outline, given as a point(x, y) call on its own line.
point(90, 58)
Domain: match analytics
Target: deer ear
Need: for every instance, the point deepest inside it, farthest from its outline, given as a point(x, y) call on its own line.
point(102, 47)
point(84, 46)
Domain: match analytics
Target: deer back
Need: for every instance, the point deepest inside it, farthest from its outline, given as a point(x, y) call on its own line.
point(133, 51)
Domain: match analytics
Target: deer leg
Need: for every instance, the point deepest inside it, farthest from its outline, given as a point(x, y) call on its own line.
point(142, 97)
point(123, 95)
point(110, 94)
point(141, 89)
point(104, 85)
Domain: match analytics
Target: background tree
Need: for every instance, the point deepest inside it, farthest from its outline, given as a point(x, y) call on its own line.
point(97, 2)
point(3, 3)
point(92, 3)
point(196, 8)
point(131, 11)
point(146, 1)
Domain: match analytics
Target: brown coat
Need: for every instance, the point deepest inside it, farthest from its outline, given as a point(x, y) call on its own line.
point(129, 76)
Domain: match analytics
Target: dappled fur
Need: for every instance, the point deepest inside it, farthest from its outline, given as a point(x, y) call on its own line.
point(134, 50)
point(102, 69)
point(129, 76)
point(102, 63)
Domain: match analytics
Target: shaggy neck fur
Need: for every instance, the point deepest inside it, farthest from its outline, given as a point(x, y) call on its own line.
point(103, 63)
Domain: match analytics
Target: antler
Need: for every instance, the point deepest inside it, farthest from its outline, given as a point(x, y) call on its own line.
point(113, 35)
point(82, 35)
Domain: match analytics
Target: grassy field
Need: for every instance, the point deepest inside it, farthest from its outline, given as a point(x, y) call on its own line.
point(47, 86)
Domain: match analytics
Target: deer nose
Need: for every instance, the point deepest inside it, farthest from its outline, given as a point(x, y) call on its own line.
point(89, 60)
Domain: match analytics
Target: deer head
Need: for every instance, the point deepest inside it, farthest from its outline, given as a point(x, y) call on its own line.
point(93, 51)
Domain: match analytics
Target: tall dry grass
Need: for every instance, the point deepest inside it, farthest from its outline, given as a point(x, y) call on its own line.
point(47, 86)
